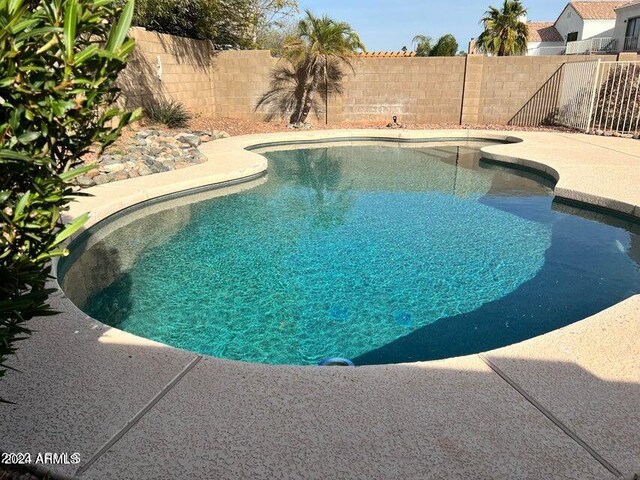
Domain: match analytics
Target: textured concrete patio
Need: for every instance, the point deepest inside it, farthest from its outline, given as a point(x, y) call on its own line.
point(562, 406)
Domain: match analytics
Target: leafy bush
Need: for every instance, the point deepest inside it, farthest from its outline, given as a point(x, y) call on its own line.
point(446, 46)
point(226, 23)
point(168, 112)
point(59, 60)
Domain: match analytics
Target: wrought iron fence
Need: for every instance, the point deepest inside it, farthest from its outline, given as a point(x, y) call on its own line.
point(616, 105)
point(600, 97)
point(576, 95)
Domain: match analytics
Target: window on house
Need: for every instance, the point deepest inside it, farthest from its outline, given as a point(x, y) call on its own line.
point(633, 27)
point(572, 37)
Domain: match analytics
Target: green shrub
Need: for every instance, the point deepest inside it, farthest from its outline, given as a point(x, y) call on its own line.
point(59, 60)
point(227, 23)
point(168, 112)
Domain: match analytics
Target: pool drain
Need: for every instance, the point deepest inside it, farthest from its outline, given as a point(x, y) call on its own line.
point(336, 362)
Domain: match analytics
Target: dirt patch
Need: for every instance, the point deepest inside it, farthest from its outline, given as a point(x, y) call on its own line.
point(236, 127)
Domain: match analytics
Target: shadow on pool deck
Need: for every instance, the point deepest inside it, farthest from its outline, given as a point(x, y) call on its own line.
point(227, 420)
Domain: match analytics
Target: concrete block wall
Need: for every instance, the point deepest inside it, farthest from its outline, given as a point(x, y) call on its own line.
point(241, 78)
point(418, 90)
point(508, 84)
point(169, 67)
point(471, 90)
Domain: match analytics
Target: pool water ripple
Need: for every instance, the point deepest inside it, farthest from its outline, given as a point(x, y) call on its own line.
point(378, 254)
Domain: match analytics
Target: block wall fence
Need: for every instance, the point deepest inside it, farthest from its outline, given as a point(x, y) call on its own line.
point(458, 90)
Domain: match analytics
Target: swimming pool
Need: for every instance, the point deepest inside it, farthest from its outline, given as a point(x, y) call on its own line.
point(377, 253)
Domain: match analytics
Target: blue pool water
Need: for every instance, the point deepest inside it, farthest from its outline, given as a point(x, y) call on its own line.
point(379, 254)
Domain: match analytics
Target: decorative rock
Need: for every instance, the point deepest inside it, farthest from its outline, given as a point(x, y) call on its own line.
point(192, 140)
point(101, 179)
point(165, 141)
point(110, 159)
point(92, 173)
point(169, 164)
point(144, 170)
point(216, 134)
point(84, 181)
point(112, 167)
point(150, 151)
point(148, 159)
point(121, 175)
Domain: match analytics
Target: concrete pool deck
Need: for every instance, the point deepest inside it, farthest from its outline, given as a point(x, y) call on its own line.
point(563, 405)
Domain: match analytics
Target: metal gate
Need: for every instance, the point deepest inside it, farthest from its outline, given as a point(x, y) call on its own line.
point(600, 97)
point(577, 91)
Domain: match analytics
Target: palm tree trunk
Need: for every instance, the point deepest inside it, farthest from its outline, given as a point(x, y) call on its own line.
point(300, 95)
point(308, 101)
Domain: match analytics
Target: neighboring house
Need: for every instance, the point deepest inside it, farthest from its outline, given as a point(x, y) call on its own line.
point(544, 39)
point(586, 20)
point(627, 29)
point(592, 23)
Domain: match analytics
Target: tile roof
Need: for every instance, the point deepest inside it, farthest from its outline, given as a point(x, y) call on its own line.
point(543, 32)
point(388, 54)
point(597, 10)
point(629, 4)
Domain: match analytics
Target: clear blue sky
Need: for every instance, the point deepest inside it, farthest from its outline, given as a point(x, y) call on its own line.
point(388, 25)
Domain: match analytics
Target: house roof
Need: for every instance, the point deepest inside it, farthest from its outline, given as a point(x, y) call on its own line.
point(628, 4)
point(388, 54)
point(597, 10)
point(543, 32)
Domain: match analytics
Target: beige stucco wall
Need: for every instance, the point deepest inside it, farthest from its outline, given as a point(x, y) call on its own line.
point(169, 67)
point(241, 78)
point(471, 90)
point(423, 90)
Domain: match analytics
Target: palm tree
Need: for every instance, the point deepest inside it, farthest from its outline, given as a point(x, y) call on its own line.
point(505, 32)
point(321, 45)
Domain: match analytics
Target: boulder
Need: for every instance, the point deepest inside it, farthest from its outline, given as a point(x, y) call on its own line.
point(84, 181)
point(110, 159)
point(144, 170)
point(101, 179)
point(121, 175)
point(216, 134)
point(189, 139)
point(112, 167)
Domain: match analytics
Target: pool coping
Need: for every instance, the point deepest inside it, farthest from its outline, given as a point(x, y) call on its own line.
point(612, 170)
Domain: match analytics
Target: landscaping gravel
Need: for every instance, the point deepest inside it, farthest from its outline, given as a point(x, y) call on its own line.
point(147, 152)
